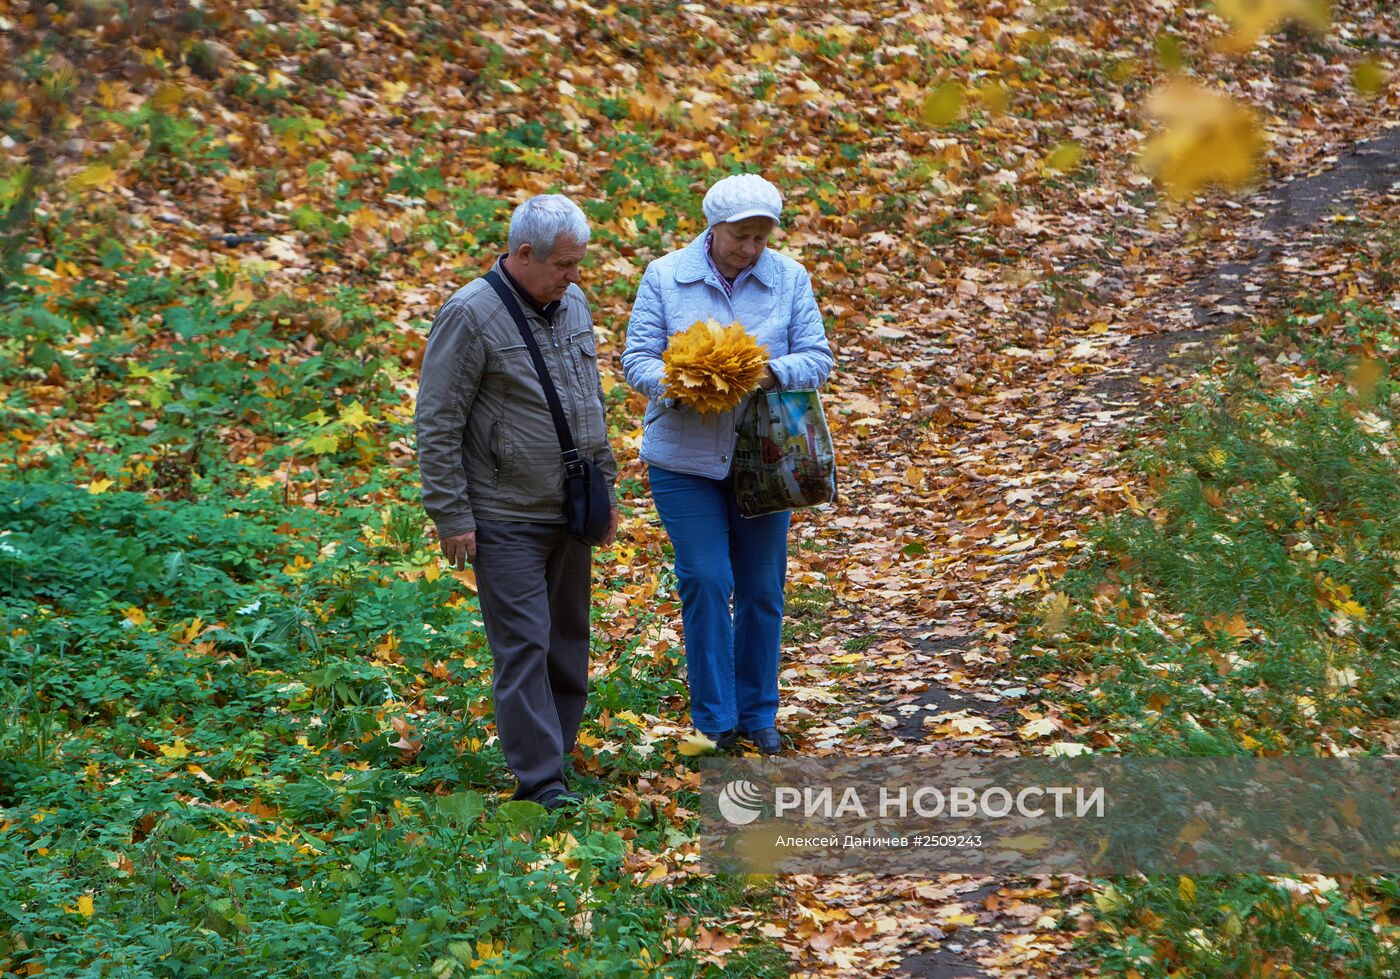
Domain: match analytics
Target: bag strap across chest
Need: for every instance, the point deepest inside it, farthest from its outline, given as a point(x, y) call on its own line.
point(567, 449)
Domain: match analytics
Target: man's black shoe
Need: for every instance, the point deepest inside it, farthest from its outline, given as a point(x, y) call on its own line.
point(767, 740)
point(724, 740)
point(558, 799)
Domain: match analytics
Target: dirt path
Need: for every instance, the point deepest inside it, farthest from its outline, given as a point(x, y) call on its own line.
point(1004, 452)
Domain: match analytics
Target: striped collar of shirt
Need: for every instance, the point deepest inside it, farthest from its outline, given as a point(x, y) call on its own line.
point(729, 286)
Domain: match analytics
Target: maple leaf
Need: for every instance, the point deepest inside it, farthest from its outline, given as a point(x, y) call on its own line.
point(1365, 375)
point(1353, 610)
point(355, 415)
point(764, 53)
point(297, 566)
point(387, 650)
point(1040, 728)
point(711, 367)
point(971, 725)
point(1110, 899)
point(1027, 842)
point(696, 744)
point(191, 632)
point(1341, 679)
point(467, 577)
point(1054, 613)
point(955, 916)
point(323, 444)
point(1207, 139)
point(1234, 626)
point(405, 743)
point(168, 96)
point(100, 177)
point(703, 116)
point(176, 751)
point(716, 941)
point(282, 249)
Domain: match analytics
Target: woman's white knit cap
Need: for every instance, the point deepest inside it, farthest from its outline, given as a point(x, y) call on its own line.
point(744, 195)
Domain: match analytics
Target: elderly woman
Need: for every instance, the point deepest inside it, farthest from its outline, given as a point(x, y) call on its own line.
point(727, 274)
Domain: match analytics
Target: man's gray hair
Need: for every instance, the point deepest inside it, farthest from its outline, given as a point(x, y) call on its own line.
point(542, 220)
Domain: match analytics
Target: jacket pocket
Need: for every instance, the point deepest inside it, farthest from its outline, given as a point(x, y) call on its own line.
point(583, 355)
point(656, 408)
point(508, 357)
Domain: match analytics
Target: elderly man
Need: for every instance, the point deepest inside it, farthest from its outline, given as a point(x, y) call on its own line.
point(493, 479)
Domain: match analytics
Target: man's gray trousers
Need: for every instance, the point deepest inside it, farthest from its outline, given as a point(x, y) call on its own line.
point(533, 585)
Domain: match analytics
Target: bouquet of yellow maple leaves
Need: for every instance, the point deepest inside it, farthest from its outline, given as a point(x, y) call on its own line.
point(711, 367)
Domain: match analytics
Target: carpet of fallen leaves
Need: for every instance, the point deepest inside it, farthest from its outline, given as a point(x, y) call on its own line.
point(960, 178)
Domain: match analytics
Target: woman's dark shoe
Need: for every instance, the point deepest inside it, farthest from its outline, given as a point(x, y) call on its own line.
point(767, 740)
point(724, 740)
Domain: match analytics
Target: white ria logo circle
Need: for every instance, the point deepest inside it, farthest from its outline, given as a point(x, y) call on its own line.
point(740, 802)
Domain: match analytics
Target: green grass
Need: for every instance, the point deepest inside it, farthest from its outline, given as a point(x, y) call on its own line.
point(805, 607)
point(1246, 605)
point(1251, 604)
point(1246, 926)
point(250, 732)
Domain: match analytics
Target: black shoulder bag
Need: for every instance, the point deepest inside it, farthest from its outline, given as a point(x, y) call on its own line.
point(586, 507)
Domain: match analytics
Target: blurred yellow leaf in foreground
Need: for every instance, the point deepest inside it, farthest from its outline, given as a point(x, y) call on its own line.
point(1207, 138)
point(1369, 77)
point(1065, 157)
point(943, 105)
point(1252, 19)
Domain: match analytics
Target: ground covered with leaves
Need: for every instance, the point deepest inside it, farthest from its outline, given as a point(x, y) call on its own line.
point(247, 718)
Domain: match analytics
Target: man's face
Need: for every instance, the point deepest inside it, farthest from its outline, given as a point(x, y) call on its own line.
point(737, 244)
point(546, 279)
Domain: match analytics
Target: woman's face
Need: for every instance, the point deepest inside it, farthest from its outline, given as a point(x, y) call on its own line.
point(737, 244)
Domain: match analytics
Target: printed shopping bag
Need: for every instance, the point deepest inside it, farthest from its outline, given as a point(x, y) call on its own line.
point(784, 456)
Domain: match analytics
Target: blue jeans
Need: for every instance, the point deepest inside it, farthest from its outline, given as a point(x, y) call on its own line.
point(731, 658)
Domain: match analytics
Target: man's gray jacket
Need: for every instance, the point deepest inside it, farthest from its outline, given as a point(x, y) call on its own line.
point(486, 442)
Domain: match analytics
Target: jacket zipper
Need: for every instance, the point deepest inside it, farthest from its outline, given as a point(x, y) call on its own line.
point(570, 410)
point(728, 301)
point(493, 441)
